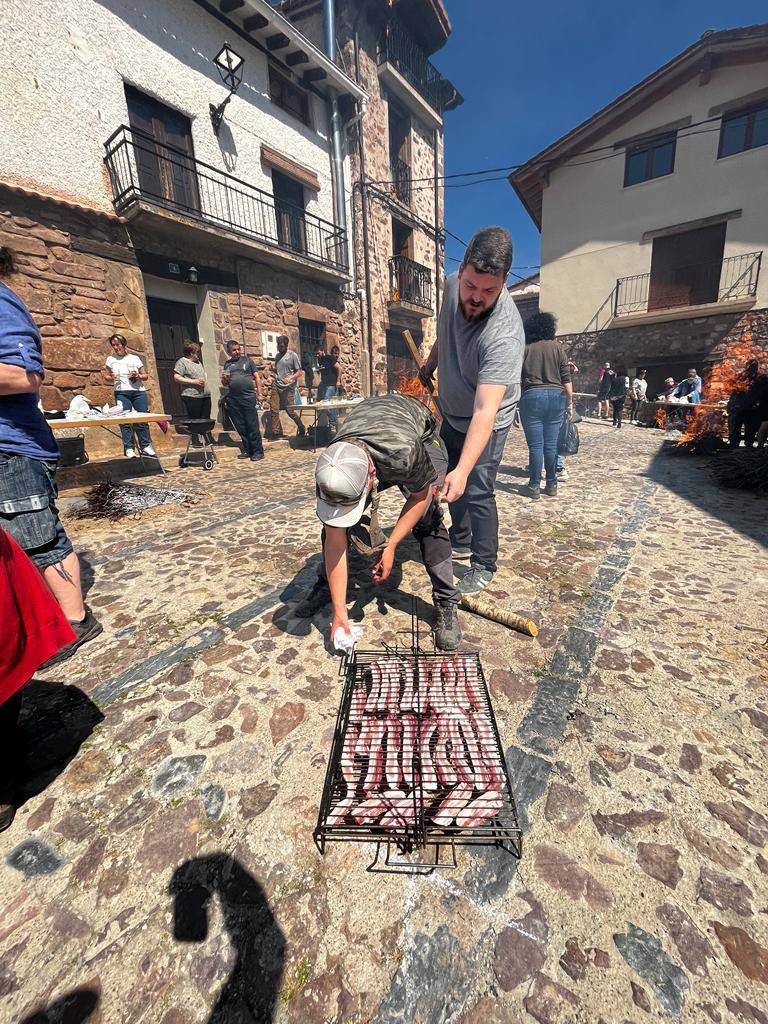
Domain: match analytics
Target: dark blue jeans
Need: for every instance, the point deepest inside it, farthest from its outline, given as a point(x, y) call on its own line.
point(541, 413)
point(134, 400)
point(326, 392)
point(474, 519)
point(245, 416)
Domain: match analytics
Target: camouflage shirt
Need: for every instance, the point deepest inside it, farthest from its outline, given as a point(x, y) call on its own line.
point(394, 430)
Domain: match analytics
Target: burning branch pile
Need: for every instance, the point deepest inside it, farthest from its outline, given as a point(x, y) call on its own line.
point(703, 434)
point(743, 470)
point(413, 387)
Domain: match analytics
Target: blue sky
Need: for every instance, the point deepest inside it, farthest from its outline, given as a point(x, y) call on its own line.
point(529, 72)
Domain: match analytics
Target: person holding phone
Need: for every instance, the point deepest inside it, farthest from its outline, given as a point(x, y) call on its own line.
point(126, 372)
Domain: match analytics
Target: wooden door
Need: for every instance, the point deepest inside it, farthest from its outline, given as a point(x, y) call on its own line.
point(289, 212)
point(685, 268)
point(172, 324)
point(164, 152)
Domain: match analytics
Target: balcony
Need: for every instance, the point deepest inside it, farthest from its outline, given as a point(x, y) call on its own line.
point(732, 280)
point(179, 194)
point(410, 289)
point(407, 72)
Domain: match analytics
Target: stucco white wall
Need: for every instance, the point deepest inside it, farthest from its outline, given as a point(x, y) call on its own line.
point(592, 226)
point(62, 86)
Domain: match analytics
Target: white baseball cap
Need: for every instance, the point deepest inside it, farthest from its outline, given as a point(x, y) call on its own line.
point(341, 479)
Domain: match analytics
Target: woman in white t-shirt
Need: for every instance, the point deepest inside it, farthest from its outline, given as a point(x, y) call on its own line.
point(127, 373)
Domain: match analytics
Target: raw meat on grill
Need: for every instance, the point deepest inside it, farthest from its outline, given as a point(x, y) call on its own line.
point(394, 742)
point(443, 762)
point(456, 800)
point(428, 776)
point(376, 686)
point(479, 811)
point(419, 748)
point(406, 701)
point(410, 739)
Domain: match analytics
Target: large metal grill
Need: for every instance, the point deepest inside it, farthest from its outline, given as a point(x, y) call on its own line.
point(416, 760)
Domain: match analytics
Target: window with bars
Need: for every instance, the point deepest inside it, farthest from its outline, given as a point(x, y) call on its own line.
point(311, 334)
point(652, 158)
point(743, 130)
point(286, 94)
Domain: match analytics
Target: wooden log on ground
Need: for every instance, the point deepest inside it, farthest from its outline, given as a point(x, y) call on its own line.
point(497, 614)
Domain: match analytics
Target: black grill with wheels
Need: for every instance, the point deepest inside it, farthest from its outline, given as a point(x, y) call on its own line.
point(200, 439)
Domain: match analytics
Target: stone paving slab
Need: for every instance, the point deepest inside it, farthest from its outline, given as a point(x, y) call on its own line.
point(162, 868)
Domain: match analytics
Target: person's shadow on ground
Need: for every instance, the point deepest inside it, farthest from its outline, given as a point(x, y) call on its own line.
point(250, 993)
point(75, 1007)
point(361, 591)
point(54, 722)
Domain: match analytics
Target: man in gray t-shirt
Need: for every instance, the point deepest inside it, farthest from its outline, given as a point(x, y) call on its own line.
point(287, 372)
point(479, 355)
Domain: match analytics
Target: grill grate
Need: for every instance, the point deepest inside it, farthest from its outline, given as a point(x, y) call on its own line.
point(416, 760)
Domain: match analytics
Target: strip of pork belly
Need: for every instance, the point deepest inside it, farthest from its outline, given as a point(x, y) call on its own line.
point(452, 805)
point(479, 811)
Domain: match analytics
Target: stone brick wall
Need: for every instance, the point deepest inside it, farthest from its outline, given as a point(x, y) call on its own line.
point(78, 294)
point(77, 272)
point(702, 338)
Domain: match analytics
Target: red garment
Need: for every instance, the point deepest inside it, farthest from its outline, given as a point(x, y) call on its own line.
point(32, 626)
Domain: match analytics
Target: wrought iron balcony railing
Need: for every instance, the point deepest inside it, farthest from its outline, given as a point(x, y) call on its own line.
point(734, 277)
point(409, 282)
point(401, 180)
point(398, 48)
point(144, 170)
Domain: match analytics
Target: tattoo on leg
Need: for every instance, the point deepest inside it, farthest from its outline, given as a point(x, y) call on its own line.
point(64, 573)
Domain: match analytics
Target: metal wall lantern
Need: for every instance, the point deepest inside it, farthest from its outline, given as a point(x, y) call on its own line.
point(229, 64)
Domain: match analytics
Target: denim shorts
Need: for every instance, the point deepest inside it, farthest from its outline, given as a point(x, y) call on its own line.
point(28, 510)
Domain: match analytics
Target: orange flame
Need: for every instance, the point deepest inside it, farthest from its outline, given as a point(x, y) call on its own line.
point(719, 383)
point(661, 418)
point(412, 386)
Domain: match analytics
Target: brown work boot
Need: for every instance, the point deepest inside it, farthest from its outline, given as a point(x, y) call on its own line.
point(447, 628)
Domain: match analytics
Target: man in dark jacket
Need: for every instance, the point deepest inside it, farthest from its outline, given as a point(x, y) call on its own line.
point(388, 440)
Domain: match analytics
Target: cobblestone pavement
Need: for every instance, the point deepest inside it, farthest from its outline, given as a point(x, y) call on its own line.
point(165, 870)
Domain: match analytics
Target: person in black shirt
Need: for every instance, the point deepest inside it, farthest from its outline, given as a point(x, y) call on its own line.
point(388, 440)
point(240, 375)
point(328, 388)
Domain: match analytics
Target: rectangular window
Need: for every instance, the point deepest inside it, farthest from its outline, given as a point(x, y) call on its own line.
point(743, 130)
point(653, 158)
point(288, 95)
point(311, 334)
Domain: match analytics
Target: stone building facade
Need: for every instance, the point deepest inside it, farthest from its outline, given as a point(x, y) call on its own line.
point(396, 157)
point(653, 251)
point(152, 223)
point(699, 342)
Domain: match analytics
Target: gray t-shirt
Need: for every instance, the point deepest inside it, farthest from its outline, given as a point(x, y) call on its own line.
point(472, 352)
point(285, 366)
point(192, 371)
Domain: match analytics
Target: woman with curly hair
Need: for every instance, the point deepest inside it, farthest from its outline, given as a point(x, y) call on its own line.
point(547, 394)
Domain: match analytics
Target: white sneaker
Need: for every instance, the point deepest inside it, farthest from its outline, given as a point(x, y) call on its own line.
point(149, 450)
point(130, 453)
point(562, 474)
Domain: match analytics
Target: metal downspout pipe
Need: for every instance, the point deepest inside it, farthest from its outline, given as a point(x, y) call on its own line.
point(339, 194)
